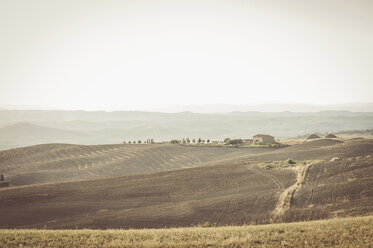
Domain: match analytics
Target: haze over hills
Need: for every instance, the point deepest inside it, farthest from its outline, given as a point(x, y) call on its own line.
point(225, 108)
point(30, 127)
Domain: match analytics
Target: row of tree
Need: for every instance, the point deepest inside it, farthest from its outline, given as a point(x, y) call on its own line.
point(148, 141)
point(226, 141)
point(188, 141)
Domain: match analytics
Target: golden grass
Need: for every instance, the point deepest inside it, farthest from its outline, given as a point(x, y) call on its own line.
point(347, 232)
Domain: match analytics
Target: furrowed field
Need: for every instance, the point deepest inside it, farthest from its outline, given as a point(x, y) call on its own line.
point(346, 232)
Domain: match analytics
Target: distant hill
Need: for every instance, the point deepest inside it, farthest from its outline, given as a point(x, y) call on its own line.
point(226, 108)
point(24, 134)
point(82, 127)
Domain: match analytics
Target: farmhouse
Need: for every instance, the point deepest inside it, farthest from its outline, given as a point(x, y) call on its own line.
point(263, 139)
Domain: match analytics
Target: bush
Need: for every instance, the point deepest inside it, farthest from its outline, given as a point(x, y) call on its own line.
point(208, 224)
point(4, 184)
point(235, 142)
point(290, 161)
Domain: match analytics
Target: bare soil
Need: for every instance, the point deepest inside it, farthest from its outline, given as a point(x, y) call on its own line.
point(228, 191)
point(62, 162)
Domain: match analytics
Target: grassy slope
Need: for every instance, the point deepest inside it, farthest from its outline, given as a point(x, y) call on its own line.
point(348, 232)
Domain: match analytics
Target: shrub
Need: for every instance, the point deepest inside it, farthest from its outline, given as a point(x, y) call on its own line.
point(290, 161)
point(4, 184)
point(235, 142)
point(208, 224)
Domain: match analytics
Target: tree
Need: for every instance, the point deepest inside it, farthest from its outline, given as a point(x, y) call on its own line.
point(129, 142)
point(124, 142)
point(184, 140)
point(226, 141)
point(139, 142)
point(208, 141)
point(194, 141)
point(174, 141)
point(188, 140)
point(199, 140)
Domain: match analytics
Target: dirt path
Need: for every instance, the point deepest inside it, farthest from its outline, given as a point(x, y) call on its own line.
point(284, 200)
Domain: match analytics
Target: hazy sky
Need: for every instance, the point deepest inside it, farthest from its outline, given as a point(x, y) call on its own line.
point(127, 54)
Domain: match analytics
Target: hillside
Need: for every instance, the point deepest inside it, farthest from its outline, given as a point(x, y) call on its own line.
point(63, 162)
point(233, 191)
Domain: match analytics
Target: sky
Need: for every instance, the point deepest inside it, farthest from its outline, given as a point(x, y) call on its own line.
point(126, 55)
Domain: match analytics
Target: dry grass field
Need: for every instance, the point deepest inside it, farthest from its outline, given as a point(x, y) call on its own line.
point(348, 232)
point(231, 190)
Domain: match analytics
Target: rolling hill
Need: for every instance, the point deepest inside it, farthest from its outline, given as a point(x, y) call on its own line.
point(230, 190)
point(64, 162)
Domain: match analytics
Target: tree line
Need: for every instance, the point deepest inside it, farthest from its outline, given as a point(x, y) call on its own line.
point(226, 141)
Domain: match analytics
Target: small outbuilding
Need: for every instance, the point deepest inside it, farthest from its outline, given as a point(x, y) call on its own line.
point(313, 136)
point(247, 141)
point(331, 136)
point(263, 139)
